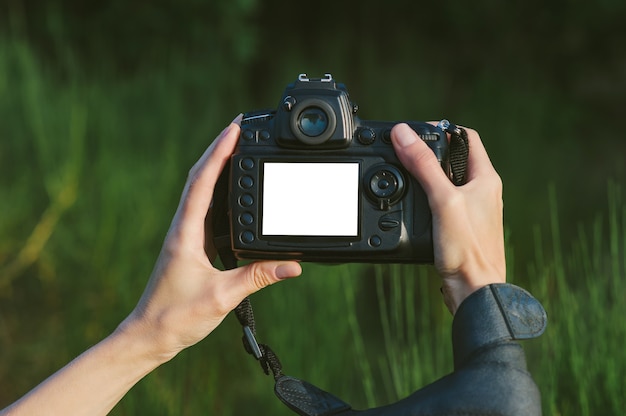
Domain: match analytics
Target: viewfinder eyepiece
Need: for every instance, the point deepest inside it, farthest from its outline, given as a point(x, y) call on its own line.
point(313, 121)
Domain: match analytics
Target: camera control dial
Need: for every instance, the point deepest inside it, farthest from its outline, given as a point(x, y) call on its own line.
point(288, 103)
point(385, 185)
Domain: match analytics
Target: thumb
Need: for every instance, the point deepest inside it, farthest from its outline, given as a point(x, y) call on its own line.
point(419, 160)
point(246, 280)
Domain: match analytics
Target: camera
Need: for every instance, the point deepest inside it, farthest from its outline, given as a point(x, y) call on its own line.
point(312, 181)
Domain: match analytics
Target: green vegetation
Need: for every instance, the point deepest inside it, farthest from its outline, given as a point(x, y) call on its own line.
point(579, 363)
point(95, 146)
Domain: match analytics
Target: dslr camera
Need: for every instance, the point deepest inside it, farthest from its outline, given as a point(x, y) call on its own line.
point(312, 181)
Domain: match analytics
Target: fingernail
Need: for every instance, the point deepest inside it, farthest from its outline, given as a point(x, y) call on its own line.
point(287, 270)
point(405, 136)
point(237, 120)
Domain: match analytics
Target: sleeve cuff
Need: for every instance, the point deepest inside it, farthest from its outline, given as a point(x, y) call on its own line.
point(495, 313)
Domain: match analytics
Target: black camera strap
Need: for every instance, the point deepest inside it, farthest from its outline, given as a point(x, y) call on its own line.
point(300, 396)
point(459, 152)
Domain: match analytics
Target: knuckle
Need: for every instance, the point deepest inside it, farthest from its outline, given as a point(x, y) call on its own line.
point(220, 304)
point(193, 171)
point(258, 276)
point(495, 182)
point(192, 175)
point(172, 248)
point(453, 201)
point(494, 188)
point(472, 132)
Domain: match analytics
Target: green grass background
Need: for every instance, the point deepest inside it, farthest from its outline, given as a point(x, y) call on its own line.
point(98, 129)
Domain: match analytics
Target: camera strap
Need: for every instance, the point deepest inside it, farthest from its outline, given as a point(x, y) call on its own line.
point(300, 396)
point(459, 152)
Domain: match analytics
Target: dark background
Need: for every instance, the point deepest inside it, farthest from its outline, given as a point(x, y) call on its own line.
point(544, 83)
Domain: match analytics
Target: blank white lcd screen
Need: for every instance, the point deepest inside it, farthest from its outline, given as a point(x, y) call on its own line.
point(310, 199)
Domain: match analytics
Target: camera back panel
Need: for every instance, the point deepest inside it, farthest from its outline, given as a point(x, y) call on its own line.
point(312, 181)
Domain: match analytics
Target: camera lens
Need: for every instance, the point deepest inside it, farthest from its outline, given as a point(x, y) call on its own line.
point(313, 121)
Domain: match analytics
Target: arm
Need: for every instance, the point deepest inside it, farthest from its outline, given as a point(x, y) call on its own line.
point(185, 300)
point(490, 375)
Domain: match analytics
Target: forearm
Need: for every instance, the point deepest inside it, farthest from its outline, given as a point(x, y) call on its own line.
point(94, 382)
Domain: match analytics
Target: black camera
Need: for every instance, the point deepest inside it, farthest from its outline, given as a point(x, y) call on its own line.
point(312, 181)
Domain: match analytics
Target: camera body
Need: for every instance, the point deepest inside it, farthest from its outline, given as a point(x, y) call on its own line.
point(312, 181)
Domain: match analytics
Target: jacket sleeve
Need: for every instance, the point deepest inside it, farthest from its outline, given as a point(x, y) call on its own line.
point(490, 376)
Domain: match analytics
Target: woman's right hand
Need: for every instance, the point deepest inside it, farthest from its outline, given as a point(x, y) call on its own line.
point(468, 233)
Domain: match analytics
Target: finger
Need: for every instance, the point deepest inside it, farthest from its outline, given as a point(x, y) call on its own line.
point(478, 161)
point(246, 280)
point(419, 159)
point(202, 178)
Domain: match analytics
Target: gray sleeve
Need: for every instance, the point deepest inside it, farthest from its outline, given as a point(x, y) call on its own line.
point(490, 376)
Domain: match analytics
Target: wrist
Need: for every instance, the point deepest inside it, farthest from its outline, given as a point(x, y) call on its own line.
point(455, 292)
point(456, 289)
point(149, 346)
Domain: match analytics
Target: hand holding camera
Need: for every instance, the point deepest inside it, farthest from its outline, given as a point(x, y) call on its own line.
point(468, 233)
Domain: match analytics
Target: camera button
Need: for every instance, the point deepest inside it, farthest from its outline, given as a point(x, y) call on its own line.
point(387, 136)
point(288, 103)
point(375, 241)
point(246, 218)
point(246, 200)
point(246, 164)
point(265, 135)
point(388, 222)
point(366, 135)
point(246, 237)
point(248, 135)
point(246, 182)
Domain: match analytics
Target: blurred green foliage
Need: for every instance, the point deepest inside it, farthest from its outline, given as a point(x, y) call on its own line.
point(104, 106)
